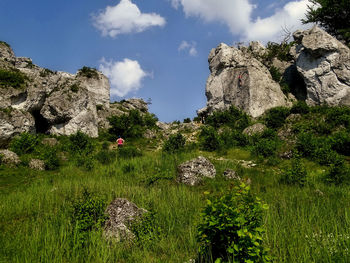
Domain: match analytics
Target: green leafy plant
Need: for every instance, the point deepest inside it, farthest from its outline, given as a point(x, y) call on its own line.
point(231, 228)
point(24, 143)
point(233, 117)
point(128, 152)
point(80, 143)
point(209, 139)
point(265, 147)
point(338, 172)
point(87, 214)
point(75, 88)
point(300, 108)
point(50, 158)
point(106, 156)
point(12, 78)
point(276, 117)
point(175, 143)
point(296, 174)
point(88, 72)
point(187, 120)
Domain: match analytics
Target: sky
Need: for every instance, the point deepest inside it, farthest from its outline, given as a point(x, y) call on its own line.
point(151, 49)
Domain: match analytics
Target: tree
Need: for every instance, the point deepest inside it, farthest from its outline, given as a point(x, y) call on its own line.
point(332, 15)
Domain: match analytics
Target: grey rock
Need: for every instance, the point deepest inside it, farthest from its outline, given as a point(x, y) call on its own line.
point(238, 78)
point(37, 164)
point(255, 129)
point(231, 174)
point(121, 214)
point(293, 117)
point(9, 158)
point(193, 171)
point(49, 142)
point(324, 64)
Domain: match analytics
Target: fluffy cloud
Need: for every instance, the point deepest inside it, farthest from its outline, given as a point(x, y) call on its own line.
point(190, 47)
point(237, 15)
point(125, 76)
point(125, 18)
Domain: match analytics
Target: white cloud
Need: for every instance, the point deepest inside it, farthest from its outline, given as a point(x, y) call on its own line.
point(237, 15)
point(190, 47)
point(125, 76)
point(125, 18)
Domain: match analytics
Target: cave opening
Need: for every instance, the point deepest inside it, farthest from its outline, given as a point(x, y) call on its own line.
point(296, 83)
point(41, 124)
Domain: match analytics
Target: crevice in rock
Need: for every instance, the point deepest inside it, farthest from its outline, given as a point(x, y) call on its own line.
point(18, 99)
point(41, 124)
point(295, 82)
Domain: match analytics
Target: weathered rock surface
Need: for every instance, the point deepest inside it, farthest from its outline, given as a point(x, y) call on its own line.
point(231, 174)
point(37, 164)
point(49, 142)
point(121, 214)
point(254, 129)
point(324, 63)
point(50, 102)
point(238, 78)
point(193, 171)
point(10, 158)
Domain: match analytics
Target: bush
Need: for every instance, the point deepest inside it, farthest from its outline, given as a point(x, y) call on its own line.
point(85, 161)
point(209, 139)
point(87, 214)
point(106, 156)
point(187, 120)
point(296, 174)
point(276, 117)
point(275, 74)
point(338, 172)
point(14, 79)
point(88, 72)
point(300, 108)
point(176, 142)
point(24, 143)
point(230, 228)
point(265, 147)
point(338, 116)
point(127, 152)
point(80, 143)
point(75, 88)
point(340, 142)
point(232, 117)
point(50, 158)
point(306, 144)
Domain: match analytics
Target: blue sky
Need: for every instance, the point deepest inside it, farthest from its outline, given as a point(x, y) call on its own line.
point(154, 49)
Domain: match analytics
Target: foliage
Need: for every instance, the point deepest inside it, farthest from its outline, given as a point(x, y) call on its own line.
point(333, 15)
point(128, 152)
point(50, 158)
point(209, 139)
point(131, 125)
point(106, 156)
point(85, 161)
point(337, 116)
point(24, 143)
point(80, 143)
point(296, 174)
point(231, 228)
point(275, 73)
point(280, 51)
point(265, 147)
point(87, 214)
point(75, 88)
point(340, 142)
point(45, 72)
point(145, 229)
point(275, 117)
point(338, 172)
point(300, 108)
point(187, 120)
point(13, 78)
point(232, 117)
point(176, 142)
point(88, 72)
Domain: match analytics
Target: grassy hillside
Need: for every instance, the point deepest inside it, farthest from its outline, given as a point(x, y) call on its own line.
point(308, 219)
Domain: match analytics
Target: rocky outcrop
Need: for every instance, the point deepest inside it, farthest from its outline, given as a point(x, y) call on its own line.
point(121, 213)
point(193, 171)
point(9, 158)
point(238, 78)
point(50, 102)
point(37, 164)
point(324, 63)
point(254, 129)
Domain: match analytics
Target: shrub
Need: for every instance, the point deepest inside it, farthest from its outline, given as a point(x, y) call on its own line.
point(265, 147)
point(150, 120)
point(275, 73)
point(88, 72)
point(337, 116)
point(232, 117)
point(145, 229)
point(127, 152)
point(209, 139)
point(87, 214)
point(80, 143)
point(106, 156)
point(230, 228)
point(50, 158)
point(176, 142)
point(74, 88)
point(300, 108)
point(187, 120)
point(338, 172)
point(85, 161)
point(280, 51)
point(276, 117)
point(306, 144)
point(340, 142)
point(24, 143)
point(296, 174)
point(14, 79)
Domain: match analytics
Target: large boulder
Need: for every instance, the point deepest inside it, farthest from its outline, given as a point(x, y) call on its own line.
point(256, 128)
point(237, 78)
point(121, 214)
point(193, 171)
point(58, 102)
point(324, 64)
point(9, 158)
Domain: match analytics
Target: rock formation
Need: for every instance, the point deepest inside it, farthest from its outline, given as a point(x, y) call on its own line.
point(46, 101)
point(324, 63)
point(238, 78)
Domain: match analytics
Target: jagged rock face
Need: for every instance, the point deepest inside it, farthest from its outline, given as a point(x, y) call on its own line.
point(13, 122)
point(324, 63)
point(238, 79)
point(53, 102)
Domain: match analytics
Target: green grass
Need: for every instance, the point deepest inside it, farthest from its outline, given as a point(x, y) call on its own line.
point(309, 224)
